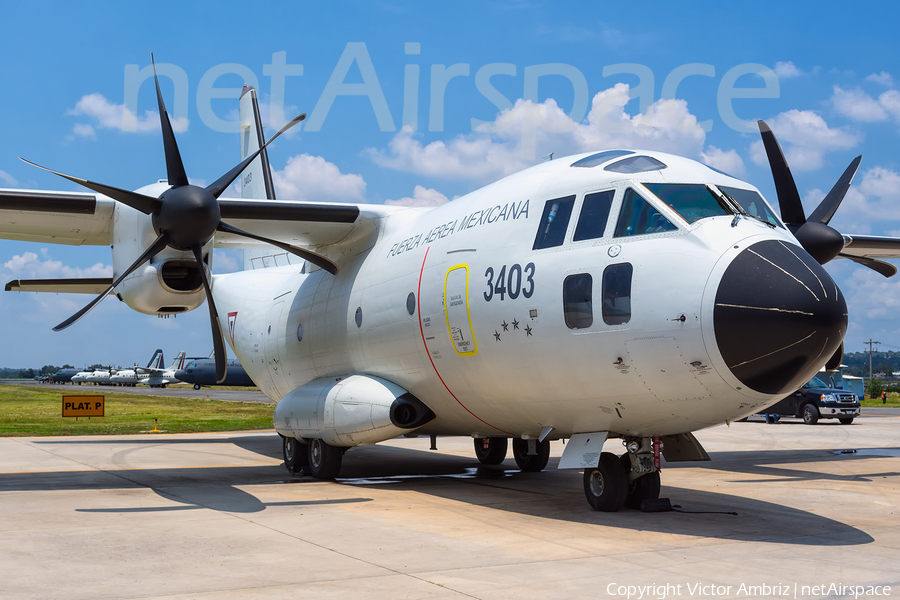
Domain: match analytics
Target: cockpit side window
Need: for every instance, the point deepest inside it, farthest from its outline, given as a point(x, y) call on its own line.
point(692, 201)
point(752, 203)
point(594, 214)
point(638, 217)
point(554, 222)
point(617, 293)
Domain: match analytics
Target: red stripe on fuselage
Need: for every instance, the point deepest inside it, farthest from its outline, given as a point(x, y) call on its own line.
point(422, 331)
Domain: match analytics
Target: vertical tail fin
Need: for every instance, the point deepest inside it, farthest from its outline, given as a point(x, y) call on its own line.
point(157, 361)
point(178, 363)
point(256, 180)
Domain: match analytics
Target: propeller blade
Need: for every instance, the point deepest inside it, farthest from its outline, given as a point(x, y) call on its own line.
point(315, 259)
point(157, 246)
point(785, 188)
point(886, 269)
point(218, 342)
point(222, 183)
point(174, 167)
point(835, 361)
point(145, 204)
point(829, 205)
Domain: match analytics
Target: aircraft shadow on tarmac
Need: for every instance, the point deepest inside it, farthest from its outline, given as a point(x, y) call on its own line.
point(551, 494)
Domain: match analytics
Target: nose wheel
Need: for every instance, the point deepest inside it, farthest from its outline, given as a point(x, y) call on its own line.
point(606, 485)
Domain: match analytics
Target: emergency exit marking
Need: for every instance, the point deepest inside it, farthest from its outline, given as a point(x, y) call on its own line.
point(84, 406)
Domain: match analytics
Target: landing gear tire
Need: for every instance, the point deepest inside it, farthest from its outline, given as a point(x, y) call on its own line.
point(606, 485)
point(846, 421)
point(810, 414)
point(491, 451)
point(296, 459)
point(531, 462)
point(645, 487)
point(196, 386)
point(324, 459)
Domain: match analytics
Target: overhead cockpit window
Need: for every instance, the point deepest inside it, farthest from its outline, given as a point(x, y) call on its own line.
point(594, 214)
point(601, 157)
point(692, 201)
point(752, 203)
point(577, 302)
point(638, 217)
point(554, 222)
point(617, 293)
point(635, 164)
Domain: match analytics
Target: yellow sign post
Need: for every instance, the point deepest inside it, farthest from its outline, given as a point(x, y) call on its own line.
point(84, 406)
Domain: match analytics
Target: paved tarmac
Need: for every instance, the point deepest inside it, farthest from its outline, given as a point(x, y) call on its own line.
point(216, 516)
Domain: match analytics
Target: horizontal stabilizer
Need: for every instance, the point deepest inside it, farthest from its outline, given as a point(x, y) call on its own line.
point(84, 285)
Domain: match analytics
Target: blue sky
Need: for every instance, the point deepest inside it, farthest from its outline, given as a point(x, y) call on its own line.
point(65, 67)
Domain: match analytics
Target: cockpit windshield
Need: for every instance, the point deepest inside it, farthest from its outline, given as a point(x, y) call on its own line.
point(692, 201)
point(752, 203)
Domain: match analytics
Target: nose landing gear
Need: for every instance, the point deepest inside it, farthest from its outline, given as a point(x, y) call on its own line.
point(625, 480)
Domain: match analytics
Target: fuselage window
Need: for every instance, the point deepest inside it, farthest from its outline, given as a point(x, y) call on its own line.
point(752, 203)
point(617, 294)
point(577, 305)
point(638, 217)
point(594, 214)
point(554, 222)
point(693, 201)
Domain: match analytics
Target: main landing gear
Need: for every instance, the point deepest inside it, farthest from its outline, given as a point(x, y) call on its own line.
point(312, 457)
point(530, 455)
point(625, 480)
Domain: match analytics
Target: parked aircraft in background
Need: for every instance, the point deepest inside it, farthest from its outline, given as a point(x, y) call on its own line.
point(81, 377)
point(159, 377)
point(202, 371)
point(621, 294)
point(63, 376)
point(131, 377)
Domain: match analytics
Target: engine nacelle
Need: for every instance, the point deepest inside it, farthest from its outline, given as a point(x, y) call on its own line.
point(170, 283)
point(350, 411)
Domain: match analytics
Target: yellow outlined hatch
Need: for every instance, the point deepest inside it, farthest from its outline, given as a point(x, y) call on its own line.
point(456, 309)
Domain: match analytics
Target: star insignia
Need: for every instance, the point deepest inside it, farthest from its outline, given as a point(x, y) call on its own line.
point(528, 331)
point(504, 325)
point(515, 324)
point(497, 335)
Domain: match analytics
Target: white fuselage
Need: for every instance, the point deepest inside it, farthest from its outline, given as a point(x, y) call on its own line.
point(486, 345)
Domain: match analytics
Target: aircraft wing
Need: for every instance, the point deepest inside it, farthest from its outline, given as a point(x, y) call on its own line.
point(867, 249)
point(84, 285)
point(72, 218)
point(303, 224)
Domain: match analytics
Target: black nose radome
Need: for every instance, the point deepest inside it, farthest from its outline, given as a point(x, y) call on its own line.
point(778, 317)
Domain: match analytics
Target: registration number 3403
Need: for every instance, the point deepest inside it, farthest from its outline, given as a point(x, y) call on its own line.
point(509, 281)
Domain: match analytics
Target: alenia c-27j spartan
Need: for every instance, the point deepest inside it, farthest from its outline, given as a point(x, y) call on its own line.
point(617, 294)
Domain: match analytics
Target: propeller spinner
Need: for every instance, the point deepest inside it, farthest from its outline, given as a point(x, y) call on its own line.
point(185, 217)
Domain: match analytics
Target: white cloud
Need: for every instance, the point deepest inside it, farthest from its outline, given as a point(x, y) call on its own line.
point(86, 131)
point(422, 196)
point(805, 137)
point(786, 70)
point(7, 178)
point(528, 130)
point(884, 78)
point(29, 265)
point(312, 178)
point(116, 116)
point(727, 161)
point(873, 199)
point(857, 105)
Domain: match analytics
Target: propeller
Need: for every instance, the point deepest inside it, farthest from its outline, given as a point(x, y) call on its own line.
point(185, 217)
point(821, 241)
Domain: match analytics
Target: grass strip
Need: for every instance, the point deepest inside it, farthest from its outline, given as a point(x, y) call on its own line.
point(29, 411)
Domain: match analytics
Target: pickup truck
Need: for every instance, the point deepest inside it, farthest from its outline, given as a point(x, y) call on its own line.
point(816, 400)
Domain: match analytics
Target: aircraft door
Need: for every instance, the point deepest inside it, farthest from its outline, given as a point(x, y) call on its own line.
point(456, 310)
point(274, 339)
